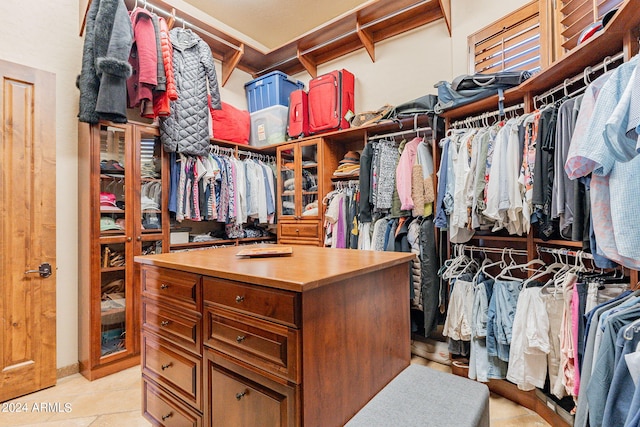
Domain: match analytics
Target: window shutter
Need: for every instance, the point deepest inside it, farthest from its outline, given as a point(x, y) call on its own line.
point(573, 16)
point(509, 44)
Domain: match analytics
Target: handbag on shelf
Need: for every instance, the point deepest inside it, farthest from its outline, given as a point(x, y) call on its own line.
point(465, 88)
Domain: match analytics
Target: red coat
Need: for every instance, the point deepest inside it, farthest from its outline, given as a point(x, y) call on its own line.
point(143, 59)
point(161, 99)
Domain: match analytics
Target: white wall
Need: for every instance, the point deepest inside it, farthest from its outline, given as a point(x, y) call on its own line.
point(45, 35)
point(406, 67)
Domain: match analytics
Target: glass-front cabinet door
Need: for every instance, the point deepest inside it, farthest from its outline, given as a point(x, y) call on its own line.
point(287, 181)
point(149, 156)
point(115, 290)
point(309, 179)
point(298, 166)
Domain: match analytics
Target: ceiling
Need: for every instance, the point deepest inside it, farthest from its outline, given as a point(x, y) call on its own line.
point(273, 23)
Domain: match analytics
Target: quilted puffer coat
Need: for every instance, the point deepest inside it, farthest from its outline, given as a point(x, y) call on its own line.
point(186, 129)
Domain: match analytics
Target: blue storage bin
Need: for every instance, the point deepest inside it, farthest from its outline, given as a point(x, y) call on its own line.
point(269, 90)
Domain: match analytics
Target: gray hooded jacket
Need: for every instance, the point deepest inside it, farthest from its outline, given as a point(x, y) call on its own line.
point(105, 62)
point(186, 129)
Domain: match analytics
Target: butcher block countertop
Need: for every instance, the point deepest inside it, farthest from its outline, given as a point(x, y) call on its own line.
point(306, 268)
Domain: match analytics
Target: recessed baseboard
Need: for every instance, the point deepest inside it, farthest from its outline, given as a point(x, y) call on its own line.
point(65, 371)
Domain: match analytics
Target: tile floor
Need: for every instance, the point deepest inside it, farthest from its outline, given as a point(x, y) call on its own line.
point(115, 401)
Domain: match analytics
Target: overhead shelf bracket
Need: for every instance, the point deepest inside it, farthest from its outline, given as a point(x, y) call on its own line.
point(367, 40)
point(230, 62)
point(308, 63)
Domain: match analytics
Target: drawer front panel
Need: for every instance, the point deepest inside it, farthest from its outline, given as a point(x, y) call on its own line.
point(237, 401)
point(169, 366)
point(175, 287)
point(300, 230)
point(263, 344)
point(181, 328)
point(161, 409)
point(280, 306)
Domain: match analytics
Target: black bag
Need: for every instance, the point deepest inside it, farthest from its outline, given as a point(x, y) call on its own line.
point(466, 89)
point(502, 79)
point(423, 105)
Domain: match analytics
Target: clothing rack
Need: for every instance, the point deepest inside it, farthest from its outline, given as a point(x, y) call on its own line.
point(565, 252)
point(342, 185)
point(399, 133)
point(504, 251)
point(584, 77)
point(259, 156)
point(172, 15)
point(481, 117)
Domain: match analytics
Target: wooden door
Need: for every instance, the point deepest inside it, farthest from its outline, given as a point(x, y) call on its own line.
point(28, 230)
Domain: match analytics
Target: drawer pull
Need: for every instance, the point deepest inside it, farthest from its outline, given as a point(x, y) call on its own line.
point(169, 415)
point(164, 323)
point(240, 338)
point(167, 366)
point(241, 395)
point(239, 299)
point(164, 286)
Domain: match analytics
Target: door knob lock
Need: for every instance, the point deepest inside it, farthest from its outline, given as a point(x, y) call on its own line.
point(44, 270)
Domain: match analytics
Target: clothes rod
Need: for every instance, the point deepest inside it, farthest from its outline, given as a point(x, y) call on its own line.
point(399, 133)
point(583, 76)
point(487, 115)
point(156, 9)
point(565, 252)
point(505, 251)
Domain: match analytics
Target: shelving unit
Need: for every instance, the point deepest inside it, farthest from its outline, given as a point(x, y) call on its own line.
point(118, 164)
point(620, 35)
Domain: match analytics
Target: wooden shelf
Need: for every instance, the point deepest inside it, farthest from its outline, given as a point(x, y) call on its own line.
point(361, 28)
point(565, 243)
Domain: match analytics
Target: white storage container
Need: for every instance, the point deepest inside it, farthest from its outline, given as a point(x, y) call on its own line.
point(268, 126)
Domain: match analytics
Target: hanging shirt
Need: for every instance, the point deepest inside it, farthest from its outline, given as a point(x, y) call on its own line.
point(613, 211)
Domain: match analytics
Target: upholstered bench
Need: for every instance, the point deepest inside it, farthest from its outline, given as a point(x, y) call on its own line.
point(420, 396)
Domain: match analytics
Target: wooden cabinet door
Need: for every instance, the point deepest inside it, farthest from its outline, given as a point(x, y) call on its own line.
point(28, 230)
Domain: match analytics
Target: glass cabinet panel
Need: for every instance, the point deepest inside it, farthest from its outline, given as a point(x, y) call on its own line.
point(287, 183)
point(112, 180)
point(309, 179)
point(150, 185)
point(113, 298)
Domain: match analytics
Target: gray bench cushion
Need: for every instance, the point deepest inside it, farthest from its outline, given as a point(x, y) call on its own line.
point(420, 396)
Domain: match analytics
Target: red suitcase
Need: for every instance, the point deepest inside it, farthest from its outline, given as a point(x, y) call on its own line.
point(298, 123)
point(331, 101)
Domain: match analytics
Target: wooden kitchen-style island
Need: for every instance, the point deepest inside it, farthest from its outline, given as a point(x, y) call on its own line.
point(300, 340)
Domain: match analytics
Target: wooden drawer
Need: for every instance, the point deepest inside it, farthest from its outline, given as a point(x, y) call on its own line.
point(273, 304)
point(174, 287)
point(240, 397)
point(161, 409)
point(266, 345)
point(300, 230)
point(182, 328)
point(173, 368)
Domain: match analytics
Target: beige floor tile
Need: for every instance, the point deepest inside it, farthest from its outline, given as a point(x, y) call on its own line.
point(76, 422)
point(521, 421)
point(430, 363)
point(501, 407)
point(129, 419)
point(100, 403)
